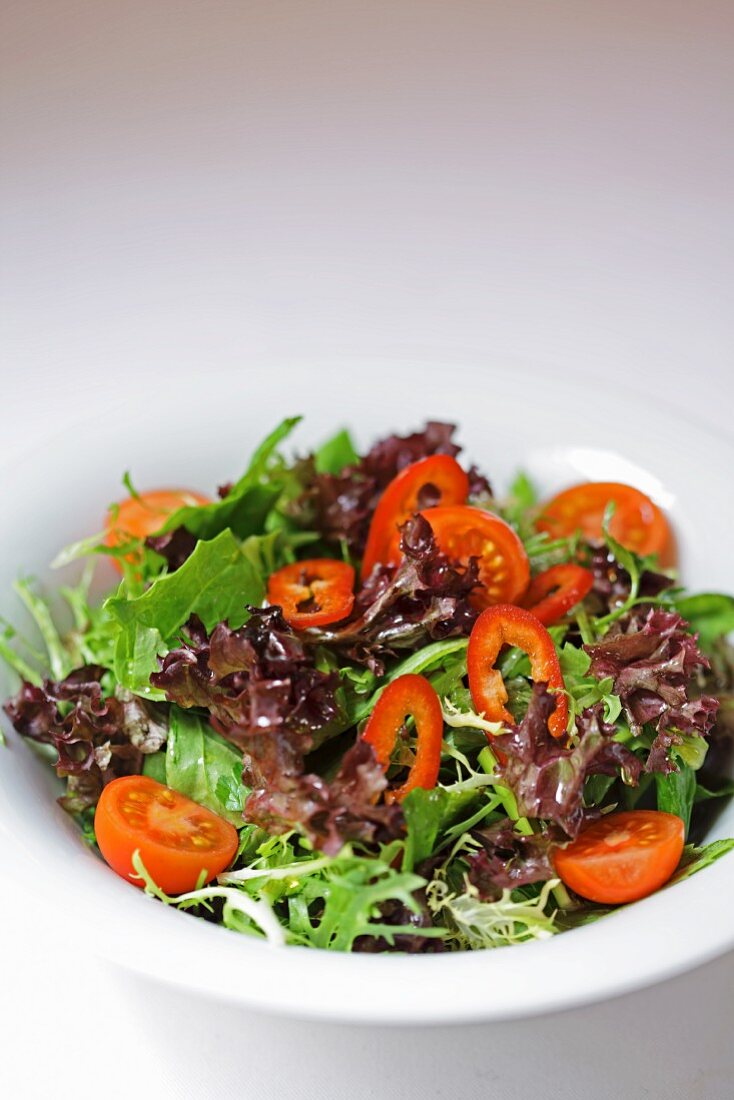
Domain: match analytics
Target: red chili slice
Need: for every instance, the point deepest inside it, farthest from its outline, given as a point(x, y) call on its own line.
point(313, 593)
point(439, 478)
point(409, 696)
point(506, 624)
point(552, 593)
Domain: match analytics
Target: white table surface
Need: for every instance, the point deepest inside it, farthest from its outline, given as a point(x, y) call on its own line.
point(193, 183)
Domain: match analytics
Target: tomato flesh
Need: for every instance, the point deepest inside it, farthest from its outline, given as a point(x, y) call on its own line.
point(509, 625)
point(142, 515)
point(637, 523)
point(437, 475)
point(178, 839)
point(553, 593)
point(313, 593)
point(408, 696)
point(622, 857)
point(463, 532)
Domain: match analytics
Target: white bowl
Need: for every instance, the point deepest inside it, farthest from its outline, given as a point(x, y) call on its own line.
point(199, 433)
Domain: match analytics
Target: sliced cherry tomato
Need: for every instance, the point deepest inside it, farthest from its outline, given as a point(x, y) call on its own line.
point(463, 532)
point(622, 857)
point(438, 477)
point(178, 839)
point(509, 625)
point(637, 523)
point(314, 592)
point(408, 696)
point(552, 593)
point(144, 514)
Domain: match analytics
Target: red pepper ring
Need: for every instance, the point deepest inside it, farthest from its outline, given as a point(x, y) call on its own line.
point(552, 593)
point(313, 593)
point(410, 696)
point(506, 624)
point(402, 497)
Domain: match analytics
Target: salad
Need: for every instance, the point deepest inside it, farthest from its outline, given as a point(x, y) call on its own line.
point(362, 703)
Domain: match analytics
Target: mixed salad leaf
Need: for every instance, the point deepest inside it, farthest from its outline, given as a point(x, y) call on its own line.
point(295, 758)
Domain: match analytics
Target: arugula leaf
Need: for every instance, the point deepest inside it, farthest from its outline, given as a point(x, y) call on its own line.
point(583, 689)
point(154, 766)
point(711, 614)
point(231, 792)
point(429, 657)
point(695, 859)
point(596, 788)
point(676, 792)
point(246, 506)
point(517, 508)
point(522, 491)
point(216, 583)
point(424, 813)
point(703, 793)
point(198, 760)
point(335, 454)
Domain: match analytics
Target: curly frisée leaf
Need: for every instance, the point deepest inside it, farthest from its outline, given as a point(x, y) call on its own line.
point(350, 895)
point(473, 923)
point(240, 912)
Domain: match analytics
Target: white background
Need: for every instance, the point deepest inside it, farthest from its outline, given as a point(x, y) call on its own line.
point(218, 183)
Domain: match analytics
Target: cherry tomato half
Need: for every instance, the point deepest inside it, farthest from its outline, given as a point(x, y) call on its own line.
point(178, 839)
point(637, 523)
point(622, 857)
point(552, 593)
point(463, 532)
point(144, 514)
point(408, 696)
point(509, 625)
point(314, 592)
point(437, 474)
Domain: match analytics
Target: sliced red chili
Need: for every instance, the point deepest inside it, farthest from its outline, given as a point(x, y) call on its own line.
point(506, 624)
point(314, 592)
point(553, 593)
point(438, 479)
point(409, 696)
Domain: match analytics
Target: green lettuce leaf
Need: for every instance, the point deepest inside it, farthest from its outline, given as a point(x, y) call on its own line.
point(710, 614)
point(676, 793)
point(201, 764)
point(335, 454)
point(216, 583)
point(245, 508)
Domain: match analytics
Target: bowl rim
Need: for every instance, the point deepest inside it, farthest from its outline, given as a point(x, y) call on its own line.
point(634, 947)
